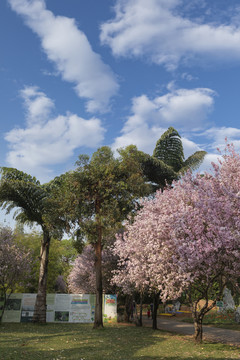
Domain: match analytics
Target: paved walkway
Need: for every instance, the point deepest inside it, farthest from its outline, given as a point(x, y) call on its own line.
point(213, 334)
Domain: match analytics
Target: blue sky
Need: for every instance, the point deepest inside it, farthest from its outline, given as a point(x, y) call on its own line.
point(76, 75)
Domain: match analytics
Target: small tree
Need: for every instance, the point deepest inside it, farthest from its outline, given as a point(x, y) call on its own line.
point(186, 239)
point(15, 265)
point(82, 278)
point(133, 248)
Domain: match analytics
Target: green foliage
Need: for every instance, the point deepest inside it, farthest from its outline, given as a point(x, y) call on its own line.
point(193, 161)
point(167, 163)
point(158, 172)
point(78, 241)
point(35, 203)
point(61, 257)
point(169, 149)
point(104, 190)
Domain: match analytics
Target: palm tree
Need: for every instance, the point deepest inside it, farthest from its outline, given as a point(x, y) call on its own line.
point(168, 163)
point(35, 203)
point(169, 149)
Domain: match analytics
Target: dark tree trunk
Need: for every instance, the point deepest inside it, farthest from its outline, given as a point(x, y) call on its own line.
point(98, 320)
point(4, 306)
point(198, 331)
point(140, 312)
point(198, 315)
point(155, 309)
point(40, 304)
point(128, 308)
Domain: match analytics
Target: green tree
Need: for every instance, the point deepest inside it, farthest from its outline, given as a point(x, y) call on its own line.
point(104, 191)
point(169, 150)
point(35, 203)
point(60, 260)
point(167, 162)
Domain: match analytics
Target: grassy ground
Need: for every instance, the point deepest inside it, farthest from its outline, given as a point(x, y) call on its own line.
point(80, 342)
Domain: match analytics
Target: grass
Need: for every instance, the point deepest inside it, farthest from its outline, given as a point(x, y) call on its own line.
point(80, 342)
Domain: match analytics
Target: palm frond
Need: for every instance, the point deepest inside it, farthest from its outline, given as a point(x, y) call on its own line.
point(193, 161)
point(157, 171)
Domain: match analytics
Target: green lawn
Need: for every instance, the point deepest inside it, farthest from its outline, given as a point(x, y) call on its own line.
point(115, 342)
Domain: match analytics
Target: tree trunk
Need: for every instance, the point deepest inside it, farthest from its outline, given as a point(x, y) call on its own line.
point(198, 329)
point(129, 311)
point(3, 306)
point(40, 304)
point(140, 312)
point(98, 320)
point(155, 309)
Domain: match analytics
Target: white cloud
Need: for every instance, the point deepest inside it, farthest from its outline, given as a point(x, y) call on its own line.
point(207, 162)
point(219, 135)
point(189, 147)
point(156, 29)
point(68, 48)
point(182, 108)
point(38, 106)
point(51, 141)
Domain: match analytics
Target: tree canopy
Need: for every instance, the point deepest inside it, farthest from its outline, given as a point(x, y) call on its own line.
point(186, 239)
point(168, 163)
point(34, 203)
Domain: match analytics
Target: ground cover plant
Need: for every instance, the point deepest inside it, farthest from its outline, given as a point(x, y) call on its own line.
point(81, 342)
point(222, 320)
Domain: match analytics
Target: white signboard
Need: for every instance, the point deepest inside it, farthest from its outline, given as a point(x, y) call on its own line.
point(67, 308)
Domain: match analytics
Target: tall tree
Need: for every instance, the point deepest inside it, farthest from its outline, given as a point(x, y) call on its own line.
point(169, 149)
point(104, 190)
point(35, 203)
point(186, 239)
point(168, 163)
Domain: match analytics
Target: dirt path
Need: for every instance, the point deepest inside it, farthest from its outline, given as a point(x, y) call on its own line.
point(213, 334)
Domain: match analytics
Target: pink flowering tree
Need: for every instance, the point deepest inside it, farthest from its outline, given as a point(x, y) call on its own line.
point(82, 278)
point(186, 239)
point(14, 266)
point(135, 249)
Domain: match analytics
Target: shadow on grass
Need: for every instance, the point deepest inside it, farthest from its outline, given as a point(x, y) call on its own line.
point(80, 342)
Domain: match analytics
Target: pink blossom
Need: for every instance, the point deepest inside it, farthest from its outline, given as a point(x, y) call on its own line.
point(186, 237)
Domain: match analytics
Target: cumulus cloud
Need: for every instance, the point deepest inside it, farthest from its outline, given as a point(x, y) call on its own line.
point(49, 141)
point(162, 32)
point(218, 136)
point(182, 108)
point(38, 106)
point(69, 49)
point(189, 146)
point(207, 162)
point(215, 144)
